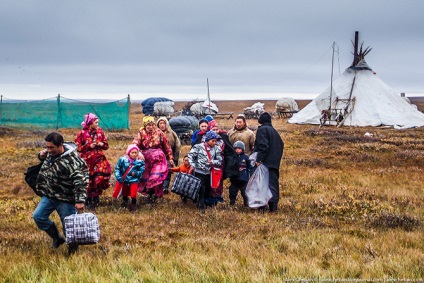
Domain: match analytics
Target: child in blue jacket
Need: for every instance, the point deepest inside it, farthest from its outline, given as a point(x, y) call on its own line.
point(239, 182)
point(128, 172)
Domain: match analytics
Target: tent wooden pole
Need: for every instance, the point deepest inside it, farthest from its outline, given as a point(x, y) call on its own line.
point(355, 51)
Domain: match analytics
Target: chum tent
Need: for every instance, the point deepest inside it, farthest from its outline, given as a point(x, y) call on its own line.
point(360, 98)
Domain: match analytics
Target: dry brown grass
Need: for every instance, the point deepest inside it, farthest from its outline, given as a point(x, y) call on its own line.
point(351, 207)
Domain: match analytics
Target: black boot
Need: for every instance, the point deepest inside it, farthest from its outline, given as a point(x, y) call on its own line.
point(124, 203)
point(96, 202)
point(72, 248)
point(272, 206)
point(133, 205)
point(55, 235)
point(89, 203)
point(152, 198)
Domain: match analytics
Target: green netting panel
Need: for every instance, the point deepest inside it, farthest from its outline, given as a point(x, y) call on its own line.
point(61, 112)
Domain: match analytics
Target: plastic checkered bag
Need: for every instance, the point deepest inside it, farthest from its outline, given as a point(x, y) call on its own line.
point(186, 185)
point(82, 229)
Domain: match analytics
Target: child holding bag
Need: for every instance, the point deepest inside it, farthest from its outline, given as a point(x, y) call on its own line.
point(183, 168)
point(128, 172)
point(201, 158)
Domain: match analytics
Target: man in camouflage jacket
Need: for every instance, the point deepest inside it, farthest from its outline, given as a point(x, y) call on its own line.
point(62, 182)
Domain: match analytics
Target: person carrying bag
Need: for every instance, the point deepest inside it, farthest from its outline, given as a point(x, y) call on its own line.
point(201, 161)
point(216, 172)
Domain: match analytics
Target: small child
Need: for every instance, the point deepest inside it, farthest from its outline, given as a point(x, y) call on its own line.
point(128, 172)
point(201, 163)
point(240, 182)
point(183, 168)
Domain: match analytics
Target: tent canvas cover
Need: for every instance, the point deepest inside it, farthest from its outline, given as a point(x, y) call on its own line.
point(374, 103)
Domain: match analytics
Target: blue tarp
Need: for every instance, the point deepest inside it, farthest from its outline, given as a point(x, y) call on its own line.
point(148, 104)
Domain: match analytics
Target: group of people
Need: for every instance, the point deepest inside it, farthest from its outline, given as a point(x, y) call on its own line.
point(74, 175)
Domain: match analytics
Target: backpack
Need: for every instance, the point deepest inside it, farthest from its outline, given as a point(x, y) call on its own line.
point(31, 176)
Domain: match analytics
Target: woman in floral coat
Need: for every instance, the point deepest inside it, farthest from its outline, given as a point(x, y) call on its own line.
point(91, 142)
point(156, 150)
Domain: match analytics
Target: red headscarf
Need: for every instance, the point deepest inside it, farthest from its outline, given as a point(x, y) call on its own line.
point(212, 124)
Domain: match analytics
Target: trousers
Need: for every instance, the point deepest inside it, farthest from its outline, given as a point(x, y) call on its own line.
point(46, 207)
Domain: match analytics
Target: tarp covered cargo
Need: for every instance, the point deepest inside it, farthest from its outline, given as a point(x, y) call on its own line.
point(148, 104)
point(183, 124)
point(286, 104)
point(204, 108)
point(163, 108)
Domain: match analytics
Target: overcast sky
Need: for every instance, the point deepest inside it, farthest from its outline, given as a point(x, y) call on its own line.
point(247, 49)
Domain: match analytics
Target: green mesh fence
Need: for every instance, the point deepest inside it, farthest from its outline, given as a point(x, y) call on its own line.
point(61, 112)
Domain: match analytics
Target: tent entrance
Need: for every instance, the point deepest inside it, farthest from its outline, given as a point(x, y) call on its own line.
point(338, 114)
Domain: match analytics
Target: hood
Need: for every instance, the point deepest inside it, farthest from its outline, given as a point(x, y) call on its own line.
point(69, 148)
point(264, 118)
point(168, 127)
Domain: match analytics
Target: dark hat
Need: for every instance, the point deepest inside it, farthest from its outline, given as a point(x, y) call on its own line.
point(203, 120)
point(264, 118)
point(209, 118)
point(239, 144)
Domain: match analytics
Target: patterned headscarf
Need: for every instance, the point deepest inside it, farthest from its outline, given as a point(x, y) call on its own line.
point(147, 120)
point(212, 124)
point(88, 120)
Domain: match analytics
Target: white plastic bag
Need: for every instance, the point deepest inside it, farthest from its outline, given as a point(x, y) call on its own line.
point(257, 190)
point(252, 159)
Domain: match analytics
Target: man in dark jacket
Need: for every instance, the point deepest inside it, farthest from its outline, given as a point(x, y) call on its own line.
point(62, 183)
point(269, 147)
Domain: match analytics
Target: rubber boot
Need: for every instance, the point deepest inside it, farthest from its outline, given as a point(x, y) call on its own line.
point(132, 208)
point(72, 248)
point(272, 206)
point(89, 203)
point(96, 202)
point(133, 205)
point(55, 235)
point(124, 203)
point(152, 197)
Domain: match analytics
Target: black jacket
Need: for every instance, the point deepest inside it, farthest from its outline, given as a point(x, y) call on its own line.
point(231, 168)
point(269, 146)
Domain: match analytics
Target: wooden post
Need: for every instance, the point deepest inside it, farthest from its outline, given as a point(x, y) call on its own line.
point(331, 83)
point(355, 51)
point(58, 117)
point(129, 106)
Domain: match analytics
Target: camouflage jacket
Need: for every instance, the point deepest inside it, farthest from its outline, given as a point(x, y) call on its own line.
point(66, 178)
